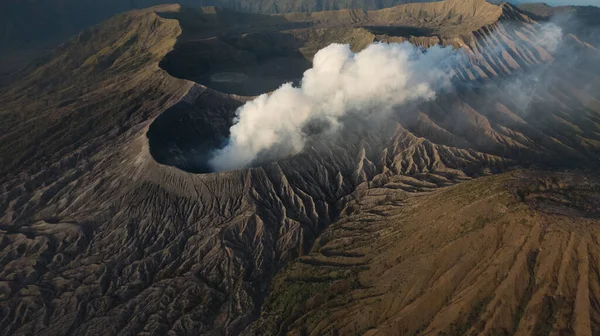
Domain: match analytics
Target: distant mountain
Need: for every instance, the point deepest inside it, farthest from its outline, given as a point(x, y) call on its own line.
point(541, 9)
point(582, 21)
point(28, 24)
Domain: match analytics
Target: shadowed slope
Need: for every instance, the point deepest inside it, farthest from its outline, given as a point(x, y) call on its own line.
point(30, 26)
point(582, 21)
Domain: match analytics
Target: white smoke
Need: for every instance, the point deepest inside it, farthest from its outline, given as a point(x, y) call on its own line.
point(549, 37)
point(523, 89)
point(341, 82)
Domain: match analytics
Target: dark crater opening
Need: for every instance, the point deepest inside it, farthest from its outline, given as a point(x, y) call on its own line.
point(238, 62)
point(404, 31)
point(186, 134)
point(229, 53)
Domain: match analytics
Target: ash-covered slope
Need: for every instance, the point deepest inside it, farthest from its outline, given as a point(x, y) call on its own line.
point(97, 236)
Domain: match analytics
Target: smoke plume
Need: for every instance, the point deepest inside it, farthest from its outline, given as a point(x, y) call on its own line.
point(341, 82)
point(368, 84)
point(549, 37)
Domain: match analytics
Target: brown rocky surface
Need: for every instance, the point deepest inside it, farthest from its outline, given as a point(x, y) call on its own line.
point(512, 254)
point(107, 226)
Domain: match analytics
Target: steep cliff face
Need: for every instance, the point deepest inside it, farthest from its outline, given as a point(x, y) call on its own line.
point(107, 226)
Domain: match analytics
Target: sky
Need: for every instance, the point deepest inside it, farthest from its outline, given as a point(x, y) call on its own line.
point(568, 2)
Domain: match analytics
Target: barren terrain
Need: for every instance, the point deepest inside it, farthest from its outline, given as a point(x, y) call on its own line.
point(111, 222)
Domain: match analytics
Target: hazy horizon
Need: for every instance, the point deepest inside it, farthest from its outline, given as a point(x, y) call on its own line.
point(569, 2)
